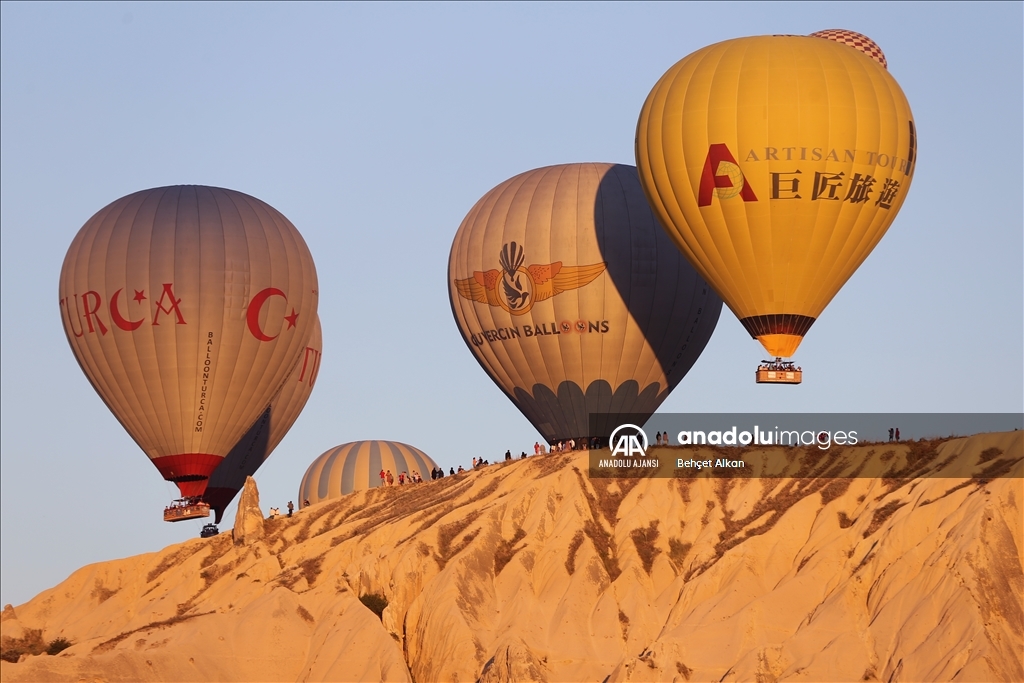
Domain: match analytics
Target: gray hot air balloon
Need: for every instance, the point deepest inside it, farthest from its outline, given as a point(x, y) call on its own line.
point(187, 308)
point(573, 299)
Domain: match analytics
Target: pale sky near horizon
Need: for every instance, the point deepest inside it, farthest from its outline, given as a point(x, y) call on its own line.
point(375, 128)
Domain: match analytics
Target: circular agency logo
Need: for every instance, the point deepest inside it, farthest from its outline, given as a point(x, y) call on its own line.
point(629, 440)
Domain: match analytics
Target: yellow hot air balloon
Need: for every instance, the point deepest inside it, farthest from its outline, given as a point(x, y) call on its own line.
point(777, 163)
point(574, 300)
point(357, 466)
point(187, 307)
point(266, 433)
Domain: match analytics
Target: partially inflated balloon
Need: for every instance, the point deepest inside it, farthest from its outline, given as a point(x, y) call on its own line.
point(187, 307)
point(356, 466)
point(266, 433)
point(777, 163)
point(572, 298)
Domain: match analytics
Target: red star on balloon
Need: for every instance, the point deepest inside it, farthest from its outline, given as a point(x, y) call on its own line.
point(139, 296)
point(292, 318)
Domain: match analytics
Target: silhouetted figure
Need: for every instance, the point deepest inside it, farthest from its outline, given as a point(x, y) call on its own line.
point(890, 434)
point(897, 434)
point(291, 508)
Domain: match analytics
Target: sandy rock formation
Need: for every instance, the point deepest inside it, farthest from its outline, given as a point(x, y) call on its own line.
point(533, 571)
point(249, 519)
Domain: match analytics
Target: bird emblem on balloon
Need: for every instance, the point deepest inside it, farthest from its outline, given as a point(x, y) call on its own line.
point(516, 288)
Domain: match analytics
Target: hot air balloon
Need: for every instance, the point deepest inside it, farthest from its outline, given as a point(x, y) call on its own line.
point(266, 433)
point(356, 466)
point(777, 163)
point(574, 301)
point(187, 307)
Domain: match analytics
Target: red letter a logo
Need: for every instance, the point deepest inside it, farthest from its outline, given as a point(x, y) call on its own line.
point(722, 173)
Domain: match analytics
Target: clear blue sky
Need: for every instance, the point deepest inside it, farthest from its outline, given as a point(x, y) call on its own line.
point(375, 128)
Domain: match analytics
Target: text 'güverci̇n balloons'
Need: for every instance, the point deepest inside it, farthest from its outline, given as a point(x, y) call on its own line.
point(187, 307)
point(777, 163)
point(572, 298)
point(356, 466)
point(266, 433)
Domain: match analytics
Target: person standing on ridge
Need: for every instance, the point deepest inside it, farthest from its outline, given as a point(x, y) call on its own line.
point(291, 508)
point(897, 434)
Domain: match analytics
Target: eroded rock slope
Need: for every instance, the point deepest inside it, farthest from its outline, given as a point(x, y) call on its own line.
point(532, 571)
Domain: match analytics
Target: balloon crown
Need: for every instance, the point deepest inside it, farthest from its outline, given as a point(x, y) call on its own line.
point(858, 41)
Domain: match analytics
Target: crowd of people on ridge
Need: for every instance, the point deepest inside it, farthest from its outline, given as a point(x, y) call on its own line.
point(389, 479)
point(582, 444)
point(562, 446)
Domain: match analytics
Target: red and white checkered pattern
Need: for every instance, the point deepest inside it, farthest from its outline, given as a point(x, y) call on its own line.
point(855, 40)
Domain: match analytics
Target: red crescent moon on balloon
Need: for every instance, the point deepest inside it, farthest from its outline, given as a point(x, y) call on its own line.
point(119, 320)
point(252, 316)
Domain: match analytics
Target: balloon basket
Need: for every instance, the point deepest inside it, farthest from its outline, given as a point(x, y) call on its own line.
point(209, 531)
point(183, 509)
point(778, 371)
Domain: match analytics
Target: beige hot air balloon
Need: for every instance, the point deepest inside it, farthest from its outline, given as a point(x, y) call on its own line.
point(266, 433)
point(187, 307)
point(356, 466)
point(574, 300)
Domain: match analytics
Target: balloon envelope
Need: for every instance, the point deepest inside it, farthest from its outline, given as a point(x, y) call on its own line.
point(573, 299)
point(356, 466)
point(266, 433)
point(777, 163)
point(187, 307)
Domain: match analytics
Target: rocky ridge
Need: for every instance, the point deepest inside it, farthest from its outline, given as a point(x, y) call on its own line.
point(533, 571)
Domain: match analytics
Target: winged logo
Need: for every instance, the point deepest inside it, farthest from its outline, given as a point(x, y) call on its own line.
point(516, 288)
